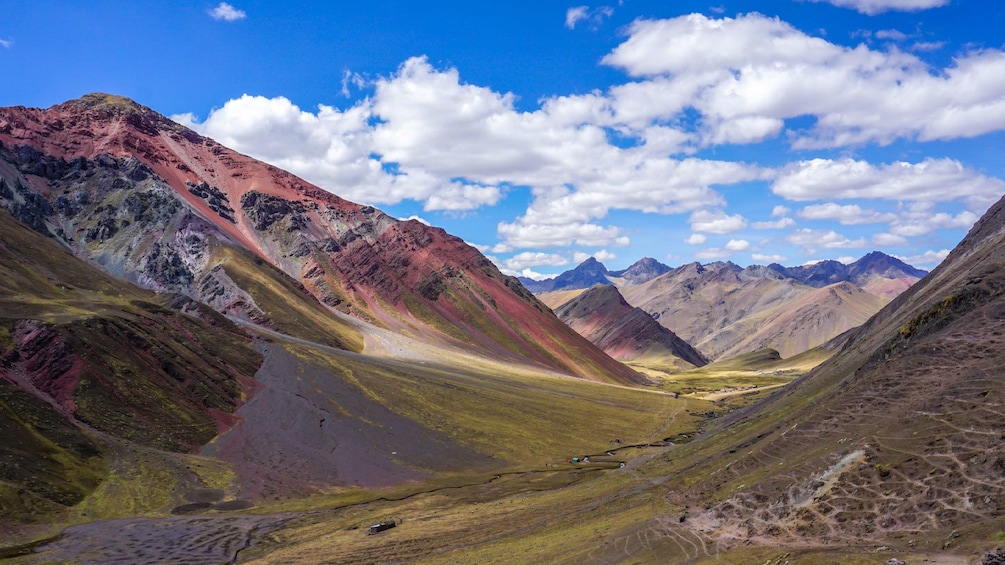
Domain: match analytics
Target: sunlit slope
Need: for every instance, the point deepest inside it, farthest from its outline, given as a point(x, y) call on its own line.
point(893, 439)
point(359, 420)
point(724, 311)
point(797, 325)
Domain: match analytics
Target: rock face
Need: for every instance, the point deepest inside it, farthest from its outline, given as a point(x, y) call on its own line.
point(909, 407)
point(601, 315)
point(153, 202)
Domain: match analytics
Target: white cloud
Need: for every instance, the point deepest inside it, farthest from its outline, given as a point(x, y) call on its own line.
point(602, 255)
point(780, 211)
point(6, 43)
point(873, 7)
point(696, 239)
point(848, 215)
point(581, 13)
point(928, 45)
point(422, 220)
point(350, 78)
point(846, 259)
point(530, 259)
point(927, 258)
point(928, 180)
point(811, 240)
point(888, 240)
point(892, 34)
point(543, 236)
point(716, 221)
point(745, 76)
point(226, 12)
point(767, 258)
point(528, 274)
point(738, 245)
point(778, 224)
point(712, 253)
point(460, 196)
point(920, 218)
point(575, 15)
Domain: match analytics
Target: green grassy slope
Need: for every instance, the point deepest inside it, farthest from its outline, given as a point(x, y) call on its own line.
point(81, 347)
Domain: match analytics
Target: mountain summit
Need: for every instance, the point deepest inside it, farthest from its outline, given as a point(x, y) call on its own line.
point(151, 201)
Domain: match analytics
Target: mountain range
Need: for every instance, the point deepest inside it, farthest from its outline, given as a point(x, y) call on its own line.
point(724, 310)
point(187, 333)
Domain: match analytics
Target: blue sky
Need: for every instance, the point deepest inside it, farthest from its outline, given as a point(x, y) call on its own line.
point(548, 132)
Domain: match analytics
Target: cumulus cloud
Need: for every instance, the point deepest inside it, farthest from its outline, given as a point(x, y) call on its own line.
point(778, 224)
point(737, 245)
point(422, 220)
point(544, 236)
point(745, 76)
point(760, 258)
point(873, 7)
point(716, 221)
point(888, 240)
point(528, 274)
point(696, 239)
point(532, 259)
point(812, 240)
point(928, 180)
point(226, 12)
point(920, 218)
point(929, 257)
point(891, 34)
point(426, 135)
point(712, 253)
point(848, 215)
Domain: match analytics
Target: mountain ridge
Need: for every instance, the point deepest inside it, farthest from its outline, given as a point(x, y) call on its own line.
point(626, 333)
point(352, 257)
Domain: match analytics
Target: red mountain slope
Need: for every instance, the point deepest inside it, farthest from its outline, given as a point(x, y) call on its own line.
point(403, 275)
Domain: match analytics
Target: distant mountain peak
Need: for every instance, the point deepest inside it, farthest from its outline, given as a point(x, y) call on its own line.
point(879, 263)
point(643, 270)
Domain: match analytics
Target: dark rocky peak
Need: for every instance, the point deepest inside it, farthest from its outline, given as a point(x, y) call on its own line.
point(641, 271)
point(587, 274)
point(771, 272)
point(820, 274)
point(879, 263)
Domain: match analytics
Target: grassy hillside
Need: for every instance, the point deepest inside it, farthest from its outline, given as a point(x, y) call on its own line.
point(80, 347)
